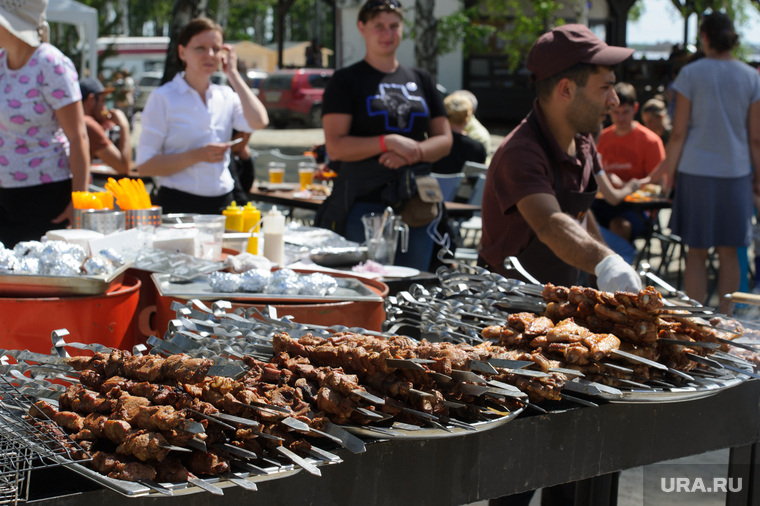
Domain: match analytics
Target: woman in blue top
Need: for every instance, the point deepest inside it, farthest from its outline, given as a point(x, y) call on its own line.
point(714, 143)
point(387, 116)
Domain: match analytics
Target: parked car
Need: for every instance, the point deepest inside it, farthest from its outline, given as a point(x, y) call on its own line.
point(295, 94)
point(255, 78)
point(148, 82)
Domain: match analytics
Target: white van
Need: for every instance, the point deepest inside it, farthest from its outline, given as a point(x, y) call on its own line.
point(136, 54)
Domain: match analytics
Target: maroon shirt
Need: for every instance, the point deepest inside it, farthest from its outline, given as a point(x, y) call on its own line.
point(521, 167)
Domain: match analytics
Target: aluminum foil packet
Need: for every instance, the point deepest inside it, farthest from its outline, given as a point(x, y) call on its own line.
point(8, 260)
point(255, 280)
point(318, 284)
point(28, 265)
point(65, 265)
point(112, 256)
point(224, 282)
point(284, 282)
point(28, 248)
point(98, 264)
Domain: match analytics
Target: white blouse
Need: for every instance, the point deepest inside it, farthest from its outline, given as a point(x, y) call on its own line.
point(176, 120)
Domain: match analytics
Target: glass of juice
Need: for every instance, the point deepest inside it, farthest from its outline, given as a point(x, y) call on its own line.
point(276, 172)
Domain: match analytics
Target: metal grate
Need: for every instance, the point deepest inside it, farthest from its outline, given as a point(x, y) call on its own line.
point(27, 444)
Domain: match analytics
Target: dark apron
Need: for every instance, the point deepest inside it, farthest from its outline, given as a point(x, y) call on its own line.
point(537, 258)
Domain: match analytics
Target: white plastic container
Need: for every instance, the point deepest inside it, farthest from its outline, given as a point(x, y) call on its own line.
point(274, 241)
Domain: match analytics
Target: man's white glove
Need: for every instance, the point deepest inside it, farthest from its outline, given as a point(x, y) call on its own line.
point(613, 274)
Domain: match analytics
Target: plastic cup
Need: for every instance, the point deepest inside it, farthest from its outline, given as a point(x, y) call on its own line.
point(210, 236)
point(276, 172)
point(305, 174)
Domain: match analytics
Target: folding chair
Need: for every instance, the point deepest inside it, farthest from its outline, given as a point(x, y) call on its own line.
point(449, 184)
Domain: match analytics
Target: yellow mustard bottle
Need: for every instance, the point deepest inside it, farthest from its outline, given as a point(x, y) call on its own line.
point(234, 217)
point(251, 219)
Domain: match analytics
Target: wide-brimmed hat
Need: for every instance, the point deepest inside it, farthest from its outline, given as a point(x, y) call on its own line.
point(23, 18)
point(563, 47)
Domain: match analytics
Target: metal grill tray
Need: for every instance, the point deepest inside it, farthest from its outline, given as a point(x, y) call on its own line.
point(706, 388)
point(401, 431)
point(49, 388)
point(349, 289)
point(137, 489)
point(30, 285)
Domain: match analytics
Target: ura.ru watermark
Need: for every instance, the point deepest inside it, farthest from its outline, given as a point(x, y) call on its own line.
point(700, 485)
point(707, 484)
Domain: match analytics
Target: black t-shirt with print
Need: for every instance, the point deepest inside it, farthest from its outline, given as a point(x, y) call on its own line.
point(402, 102)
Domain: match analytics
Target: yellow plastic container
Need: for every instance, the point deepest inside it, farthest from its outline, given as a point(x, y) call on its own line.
point(251, 219)
point(234, 217)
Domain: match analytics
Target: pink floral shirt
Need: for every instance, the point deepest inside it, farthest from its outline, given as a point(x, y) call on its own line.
point(33, 148)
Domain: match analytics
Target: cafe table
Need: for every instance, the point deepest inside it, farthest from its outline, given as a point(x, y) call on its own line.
point(289, 195)
point(651, 206)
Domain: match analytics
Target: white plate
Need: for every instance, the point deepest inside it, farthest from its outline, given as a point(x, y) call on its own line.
point(399, 271)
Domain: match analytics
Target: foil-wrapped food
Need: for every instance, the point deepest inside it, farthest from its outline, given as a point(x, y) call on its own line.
point(279, 282)
point(56, 258)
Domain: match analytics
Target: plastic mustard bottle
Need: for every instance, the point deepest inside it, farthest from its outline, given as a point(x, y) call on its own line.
point(251, 218)
point(274, 241)
point(234, 215)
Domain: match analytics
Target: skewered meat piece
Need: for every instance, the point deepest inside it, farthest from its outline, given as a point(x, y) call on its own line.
point(159, 418)
point(180, 367)
point(330, 401)
point(698, 330)
point(144, 445)
point(206, 463)
point(42, 409)
point(128, 407)
point(70, 421)
point(171, 470)
point(538, 389)
point(78, 398)
point(599, 345)
point(185, 369)
point(530, 323)
point(647, 299)
point(121, 468)
point(648, 352)
point(574, 353)
point(107, 364)
point(116, 430)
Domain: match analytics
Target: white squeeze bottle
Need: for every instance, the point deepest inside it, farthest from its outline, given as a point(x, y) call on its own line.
point(274, 242)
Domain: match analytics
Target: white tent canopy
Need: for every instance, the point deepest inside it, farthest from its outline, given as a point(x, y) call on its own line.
point(86, 20)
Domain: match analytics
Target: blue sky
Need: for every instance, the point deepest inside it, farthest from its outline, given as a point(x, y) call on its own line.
point(661, 22)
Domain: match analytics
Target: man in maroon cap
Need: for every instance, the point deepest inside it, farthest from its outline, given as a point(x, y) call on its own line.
point(541, 183)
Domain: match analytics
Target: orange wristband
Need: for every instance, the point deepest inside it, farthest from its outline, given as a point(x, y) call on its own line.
point(383, 147)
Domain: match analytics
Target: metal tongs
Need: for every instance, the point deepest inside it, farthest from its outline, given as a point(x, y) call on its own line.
point(511, 263)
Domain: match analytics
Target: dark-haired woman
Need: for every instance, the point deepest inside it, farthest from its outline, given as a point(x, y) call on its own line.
point(379, 118)
point(714, 143)
point(187, 122)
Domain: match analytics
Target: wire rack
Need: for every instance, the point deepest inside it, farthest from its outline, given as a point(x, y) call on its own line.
point(27, 444)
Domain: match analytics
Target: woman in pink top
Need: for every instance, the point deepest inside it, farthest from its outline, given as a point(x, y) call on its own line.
point(44, 151)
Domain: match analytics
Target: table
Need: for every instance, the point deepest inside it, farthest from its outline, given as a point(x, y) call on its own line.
point(668, 243)
point(572, 444)
point(288, 198)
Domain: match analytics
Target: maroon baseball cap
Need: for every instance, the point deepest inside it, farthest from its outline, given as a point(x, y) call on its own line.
point(563, 47)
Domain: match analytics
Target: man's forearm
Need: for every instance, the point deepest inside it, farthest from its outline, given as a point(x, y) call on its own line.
point(572, 243)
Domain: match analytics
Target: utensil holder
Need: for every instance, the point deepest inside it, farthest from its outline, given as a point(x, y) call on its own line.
point(104, 221)
point(150, 217)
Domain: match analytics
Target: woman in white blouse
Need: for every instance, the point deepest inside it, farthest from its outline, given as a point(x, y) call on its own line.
point(187, 123)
